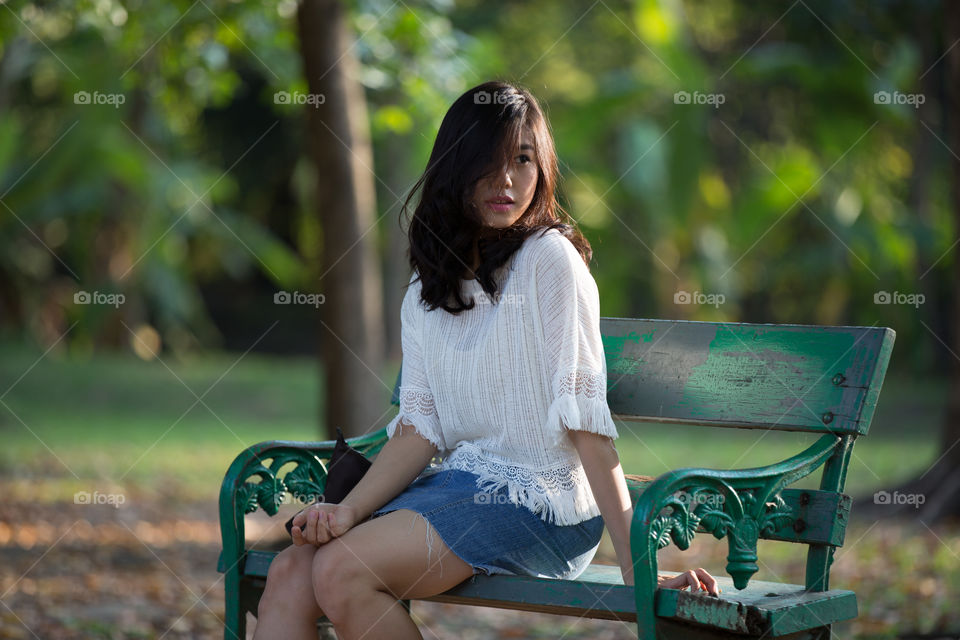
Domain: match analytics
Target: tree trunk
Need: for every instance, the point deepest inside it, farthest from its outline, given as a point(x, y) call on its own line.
point(351, 322)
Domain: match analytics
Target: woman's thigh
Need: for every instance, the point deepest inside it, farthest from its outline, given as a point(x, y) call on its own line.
point(398, 552)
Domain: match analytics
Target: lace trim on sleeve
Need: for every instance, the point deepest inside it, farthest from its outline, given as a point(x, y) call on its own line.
point(419, 408)
point(586, 383)
point(580, 403)
point(417, 401)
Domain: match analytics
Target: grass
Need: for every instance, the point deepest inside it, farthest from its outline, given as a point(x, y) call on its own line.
point(117, 418)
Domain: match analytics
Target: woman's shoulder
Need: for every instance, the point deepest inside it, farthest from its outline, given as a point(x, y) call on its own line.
point(411, 298)
point(551, 252)
point(550, 246)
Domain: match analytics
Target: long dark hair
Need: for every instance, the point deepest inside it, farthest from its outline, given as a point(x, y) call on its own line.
point(480, 131)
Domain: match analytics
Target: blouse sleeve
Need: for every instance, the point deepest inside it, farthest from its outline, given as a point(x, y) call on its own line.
point(568, 306)
point(417, 403)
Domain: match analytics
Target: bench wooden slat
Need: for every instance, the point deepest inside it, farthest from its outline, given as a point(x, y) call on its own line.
point(763, 608)
point(785, 377)
point(769, 609)
point(598, 593)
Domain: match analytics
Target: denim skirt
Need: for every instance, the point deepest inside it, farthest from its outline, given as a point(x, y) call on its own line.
point(493, 535)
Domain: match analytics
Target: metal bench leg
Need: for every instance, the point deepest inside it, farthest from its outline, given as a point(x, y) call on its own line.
point(235, 627)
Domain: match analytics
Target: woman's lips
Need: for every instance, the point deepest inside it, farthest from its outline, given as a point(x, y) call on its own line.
point(500, 205)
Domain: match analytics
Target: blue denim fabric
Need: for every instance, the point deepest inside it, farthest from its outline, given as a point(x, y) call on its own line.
point(494, 535)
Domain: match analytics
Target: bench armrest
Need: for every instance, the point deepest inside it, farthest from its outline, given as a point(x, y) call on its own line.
point(739, 504)
point(269, 462)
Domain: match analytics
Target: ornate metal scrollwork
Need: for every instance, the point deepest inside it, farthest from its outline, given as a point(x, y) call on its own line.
point(304, 482)
point(741, 516)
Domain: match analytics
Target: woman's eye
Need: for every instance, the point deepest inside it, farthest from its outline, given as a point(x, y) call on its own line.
point(524, 158)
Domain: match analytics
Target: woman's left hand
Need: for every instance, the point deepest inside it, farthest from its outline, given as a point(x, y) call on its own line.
point(696, 579)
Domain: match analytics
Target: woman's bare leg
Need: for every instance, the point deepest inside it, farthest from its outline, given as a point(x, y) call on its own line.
point(360, 577)
point(287, 607)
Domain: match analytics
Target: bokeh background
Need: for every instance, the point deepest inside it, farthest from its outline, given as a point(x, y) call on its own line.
point(202, 247)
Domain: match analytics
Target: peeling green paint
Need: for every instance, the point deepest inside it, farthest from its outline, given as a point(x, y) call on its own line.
point(613, 345)
point(773, 369)
point(618, 364)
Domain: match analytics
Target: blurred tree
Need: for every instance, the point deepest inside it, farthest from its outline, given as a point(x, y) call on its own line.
point(352, 334)
point(194, 196)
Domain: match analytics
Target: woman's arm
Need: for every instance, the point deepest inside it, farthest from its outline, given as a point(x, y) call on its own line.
point(601, 463)
point(602, 466)
point(398, 464)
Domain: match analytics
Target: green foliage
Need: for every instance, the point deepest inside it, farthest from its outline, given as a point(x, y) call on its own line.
point(795, 198)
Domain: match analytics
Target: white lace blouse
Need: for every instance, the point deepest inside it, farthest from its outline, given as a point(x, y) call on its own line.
point(494, 387)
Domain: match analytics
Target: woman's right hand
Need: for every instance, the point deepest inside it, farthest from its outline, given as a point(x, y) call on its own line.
point(319, 523)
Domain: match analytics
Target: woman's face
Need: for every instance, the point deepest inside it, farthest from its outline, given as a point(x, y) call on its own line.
point(504, 196)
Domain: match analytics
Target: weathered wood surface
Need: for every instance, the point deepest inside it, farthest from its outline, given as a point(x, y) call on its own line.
point(786, 377)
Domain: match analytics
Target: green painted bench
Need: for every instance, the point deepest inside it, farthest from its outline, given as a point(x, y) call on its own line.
point(824, 380)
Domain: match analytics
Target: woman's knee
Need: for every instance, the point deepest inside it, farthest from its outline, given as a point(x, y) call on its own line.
point(290, 564)
point(288, 577)
point(337, 575)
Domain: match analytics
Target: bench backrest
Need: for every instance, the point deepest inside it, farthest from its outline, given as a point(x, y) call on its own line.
point(725, 374)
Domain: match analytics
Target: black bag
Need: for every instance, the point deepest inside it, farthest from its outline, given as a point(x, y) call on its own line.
point(346, 467)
